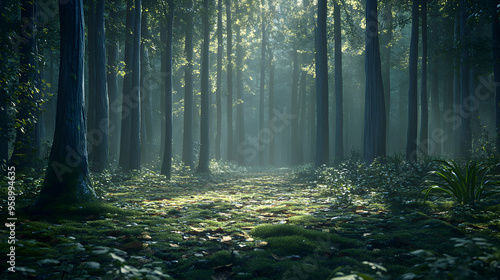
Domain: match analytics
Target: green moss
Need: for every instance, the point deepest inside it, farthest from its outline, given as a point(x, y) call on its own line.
point(305, 220)
point(221, 258)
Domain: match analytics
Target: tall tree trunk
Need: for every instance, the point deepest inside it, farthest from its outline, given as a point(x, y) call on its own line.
point(262, 83)
point(294, 153)
point(424, 100)
point(112, 78)
point(435, 123)
point(273, 130)
point(26, 145)
point(386, 67)
point(67, 180)
point(339, 106)
point(135, 125)
point(457, 98)
point(187, 143)
point(375, 120)
point(302, 116)
point(127, 104)
point(146, 94)
point(322, 130)
point(240, 120)
point(203, 165)
point(166, 168)
point(411, 144)
point(230, 131)
point(466, 131)
point(496, 68)
point(99, 108)
point(220, 49)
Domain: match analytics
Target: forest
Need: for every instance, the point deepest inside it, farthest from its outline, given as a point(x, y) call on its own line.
point(240, 139)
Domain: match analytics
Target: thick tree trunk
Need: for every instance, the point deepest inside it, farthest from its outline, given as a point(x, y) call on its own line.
point(166, 168)
point(339, 106)
point(187, 143)
point(411, 144)
point(67, 179)
point(220, 49)
point(466, 131)
point(203, 165)
point(424, 100)
point(322, 130)
point(386, 67)
point(374, 145)
point(302, 116)
point(113, 49)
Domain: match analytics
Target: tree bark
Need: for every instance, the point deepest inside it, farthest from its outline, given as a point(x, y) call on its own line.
point(339, 106)
point(112, 78)
point(230, 131)
point(466, 131)
point(294, 153)
point(424, 100)
point(203, 164)
point(166, 168)
point(273, 131)
point(67, 179)
point(146, 94)
point(220, 49)
point(240, 121)
point(135, 125)
point(411, 144)
point(187, 143)
point(374, 144)
point(99, 108)
point(262, 159)
point(496, 67)
point(322, 130)
point(127, 102)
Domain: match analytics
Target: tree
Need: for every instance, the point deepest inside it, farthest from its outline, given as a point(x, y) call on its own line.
point(146, 93)
point(131, 120)
point(205, 94)
point(465, 92)
point(67, 179)
point(262, 83)
point(272, 144)
point(374, 144)
point(240, 121)
point(295, 150)
point(424, 100)
point(113, 50)
point(98, 108)
point(496, 66)
point(187, 143)
point(218, 136)
point(339, 106)
point(411, 144)
point(322, 142)
point(4, 115)
point(230, 131)
point(166, 168)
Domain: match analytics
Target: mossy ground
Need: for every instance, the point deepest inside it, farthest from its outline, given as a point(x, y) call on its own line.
point(244, 224)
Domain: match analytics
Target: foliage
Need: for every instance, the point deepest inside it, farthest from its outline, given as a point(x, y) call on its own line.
point(474, 258)
point(466, 186)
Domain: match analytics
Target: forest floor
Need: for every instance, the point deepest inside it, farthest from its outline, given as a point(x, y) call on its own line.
point(349, 221)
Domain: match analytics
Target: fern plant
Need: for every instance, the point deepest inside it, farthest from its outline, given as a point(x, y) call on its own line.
point(465, 186)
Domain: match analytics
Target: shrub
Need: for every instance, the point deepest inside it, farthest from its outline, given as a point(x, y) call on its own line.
point(464, 186)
